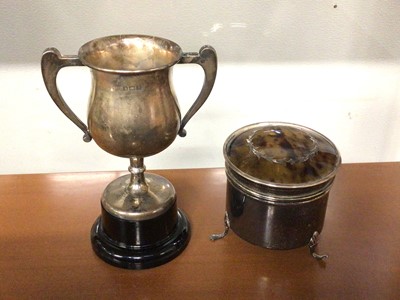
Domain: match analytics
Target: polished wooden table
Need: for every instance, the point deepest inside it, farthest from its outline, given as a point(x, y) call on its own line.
point(45, 249)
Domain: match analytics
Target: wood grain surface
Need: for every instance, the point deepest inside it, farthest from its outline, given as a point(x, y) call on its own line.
point(45, 249)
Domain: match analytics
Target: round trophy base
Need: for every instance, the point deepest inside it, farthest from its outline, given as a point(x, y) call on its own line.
point(140, 257)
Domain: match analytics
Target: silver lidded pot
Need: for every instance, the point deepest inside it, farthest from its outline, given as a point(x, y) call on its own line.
point(278, 180)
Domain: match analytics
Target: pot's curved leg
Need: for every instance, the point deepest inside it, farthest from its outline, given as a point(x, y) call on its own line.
point(313, 245)
point(217, 236)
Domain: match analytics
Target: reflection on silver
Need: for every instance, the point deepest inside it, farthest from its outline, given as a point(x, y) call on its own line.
point(313, 245)
point(155, 199)
point(217, 236)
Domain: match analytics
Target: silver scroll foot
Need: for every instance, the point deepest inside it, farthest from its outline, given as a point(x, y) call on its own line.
point(218, 236)
point(313, 245)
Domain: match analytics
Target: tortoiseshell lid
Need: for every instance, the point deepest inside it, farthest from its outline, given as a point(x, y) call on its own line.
point(281, 153)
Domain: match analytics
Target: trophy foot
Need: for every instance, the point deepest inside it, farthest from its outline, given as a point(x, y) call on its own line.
point(140, 256)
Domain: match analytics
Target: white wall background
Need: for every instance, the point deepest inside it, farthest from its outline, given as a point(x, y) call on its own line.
point(330, 65)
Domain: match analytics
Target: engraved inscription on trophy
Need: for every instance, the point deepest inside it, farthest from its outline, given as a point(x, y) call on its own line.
point(136, 88)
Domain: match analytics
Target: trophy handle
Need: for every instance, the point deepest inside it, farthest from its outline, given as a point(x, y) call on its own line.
point(52, 63)
point(207, 59)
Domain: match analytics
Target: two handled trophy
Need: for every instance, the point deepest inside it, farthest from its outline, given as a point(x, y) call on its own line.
point(133, 113)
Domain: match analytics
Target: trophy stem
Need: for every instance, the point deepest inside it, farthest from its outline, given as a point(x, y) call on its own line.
point(137, 186)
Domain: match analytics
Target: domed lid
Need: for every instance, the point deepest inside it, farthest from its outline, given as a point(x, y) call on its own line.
point(281, 154)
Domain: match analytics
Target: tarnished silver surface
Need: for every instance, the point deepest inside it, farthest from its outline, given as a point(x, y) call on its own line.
point(313, 245)
point(52, 63)
point(119, 202)
point(218, 236)
point(133, 111)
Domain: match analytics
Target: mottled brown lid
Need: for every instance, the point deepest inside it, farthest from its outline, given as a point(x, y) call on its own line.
point(281, 153)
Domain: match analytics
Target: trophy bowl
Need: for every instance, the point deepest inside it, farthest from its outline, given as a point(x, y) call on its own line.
point(133, 113)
